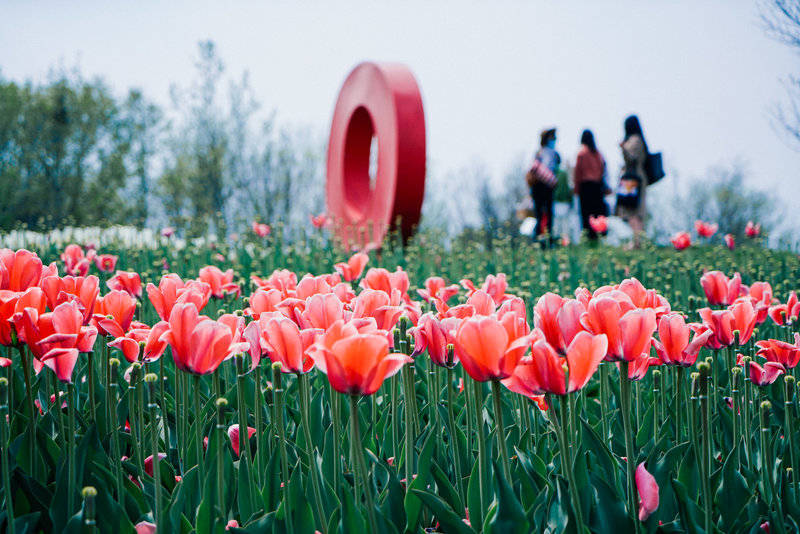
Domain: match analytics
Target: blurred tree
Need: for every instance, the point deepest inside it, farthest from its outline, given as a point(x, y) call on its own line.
point(781, 19)
point(66, 152)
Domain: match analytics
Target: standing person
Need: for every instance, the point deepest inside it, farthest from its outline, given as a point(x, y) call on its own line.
point(589, 182)
point(542, 181)
point(633, 182)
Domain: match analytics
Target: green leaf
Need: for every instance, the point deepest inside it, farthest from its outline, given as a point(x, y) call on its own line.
point(733, 493)
point(412, 503)
point(443, 513)
point(351, 521)
point(509, 517)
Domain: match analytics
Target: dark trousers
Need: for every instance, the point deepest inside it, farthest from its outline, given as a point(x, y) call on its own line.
point(543, 208)
point(592, 204)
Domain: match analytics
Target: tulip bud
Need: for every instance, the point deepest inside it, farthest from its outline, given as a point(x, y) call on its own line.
point(89, 493)
point(766, 406)
point(396, 338)
point(246, 301)
point(220, 313)
point(136, 368)
point(4, 392)
point(268, 395)
point(151, 379)
point(238, 313)
point(736, 378)
point(451, 355)
point(276, 376)
point(656, 380)
point(695, 385)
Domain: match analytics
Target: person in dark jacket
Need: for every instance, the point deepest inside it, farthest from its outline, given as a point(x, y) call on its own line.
point(589, 182)
point(542, 190)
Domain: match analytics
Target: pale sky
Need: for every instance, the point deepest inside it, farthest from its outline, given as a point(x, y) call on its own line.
point(701, 74)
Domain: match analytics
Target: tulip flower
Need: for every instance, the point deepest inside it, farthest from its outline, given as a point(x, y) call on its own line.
point(153, 348)
point(356, 363)
point(785, 314)
point(284, 342)
point(83, 290)
point(381, 279)
point(376, 304)
point(705, 229)
point(437, 288)
point(171, 289)
point(781, 352)
point(319, 221)
point(127, 281)
point(353, 268)
point(494, 285)
point(114, 313)
point(719, 290)
point(321, 311)
point(673, 345)
point(233, 435)
point(681, 241)
point(220, 282)
point(75, 261)
point(198, 344)
point(12, 304)
point(761, 295)
point(263, 301)
point(721, 324)
point(19, 269)
point(489, 348)
point(145, 527)
point(744, 319)
point(647, 488)
point(752, 230)
point(434, 335)
point(261, 229)
point(148, 463)
point(545, 318)
point(106, 262)
point(598, 223)
point(766, 374)
point(545, 371)
point(730, 241)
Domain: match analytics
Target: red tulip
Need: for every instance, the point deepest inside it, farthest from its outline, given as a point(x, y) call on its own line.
point(784, 314)
point(681, 240)
point(674, 347)
point(545, 318)
point(153, 348)
point(353, 268)
point(285, 343)
point(376, 304)
point(719, 290)
point(220, 282)
point(705, 229)
point(489, 349)
point(744, 319)
point(356, 363)
point(437, 288)
point(494, 285)
point(75, 261)
point(720, 323)
point(311, 285)
point(321, 311)
point(58, 337)
point(127, 281)
point(637, 369)
point(12, 303)
point(603, 316)
point(761, 296)
point(148, 463)
point(434, 335)
point(19, 269)
point(106, 262)
point(233, 435)
point(544, 371)
point(198, 344)
point(599, 224)
point(171, 289)
point(261, 229)
point(145, 527)
point(647, 488)
point(382, 280)
point(114, 313)
point(766, 375)
point(319, 221)
point(780, 352)
point(167, 231)
point(83, 290)
point(730, 241)
point(752, 230)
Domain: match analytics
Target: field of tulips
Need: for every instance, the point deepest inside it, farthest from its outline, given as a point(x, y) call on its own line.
point(484, 387)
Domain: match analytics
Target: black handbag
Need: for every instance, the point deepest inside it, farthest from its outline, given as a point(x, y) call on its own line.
point(629, 191)
point(654, 168)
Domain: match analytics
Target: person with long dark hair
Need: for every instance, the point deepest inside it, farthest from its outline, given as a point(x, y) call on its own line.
point(589, 182)
point(633, 182)
point(542, 181)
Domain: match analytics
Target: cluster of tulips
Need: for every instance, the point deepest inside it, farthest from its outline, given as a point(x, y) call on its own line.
point(706, 230)
point(461, 389)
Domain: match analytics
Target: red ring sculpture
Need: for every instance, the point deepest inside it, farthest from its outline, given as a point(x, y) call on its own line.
point(381, 100)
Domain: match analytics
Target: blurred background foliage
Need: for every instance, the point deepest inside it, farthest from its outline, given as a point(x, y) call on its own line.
point(73, 152)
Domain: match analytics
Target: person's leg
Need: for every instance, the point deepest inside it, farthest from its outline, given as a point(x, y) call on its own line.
point(586, 212)
point(636, 225)
point(549, 212)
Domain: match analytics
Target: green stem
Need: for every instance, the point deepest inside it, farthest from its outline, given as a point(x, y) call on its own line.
point(360, 464)
point(152, 408)
point(706, 447)
point(31, 427)
point(499, 429)
point(394, 387)
point(789, 423)
point(483, 491)
point(625, 398)
point(408, 408)
point(198, 434)
point(245, 453)
point(604, 399)
point(336, 418)
point(452, 432)
point(259, 400)
point(4, 459)
point(162, 377)
point(113, 424)
point(679, 402)
point(279, 400)
point(90, 379)
point(71, 451)
point(220, 432)
point(566, 458)
point(305, 403)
